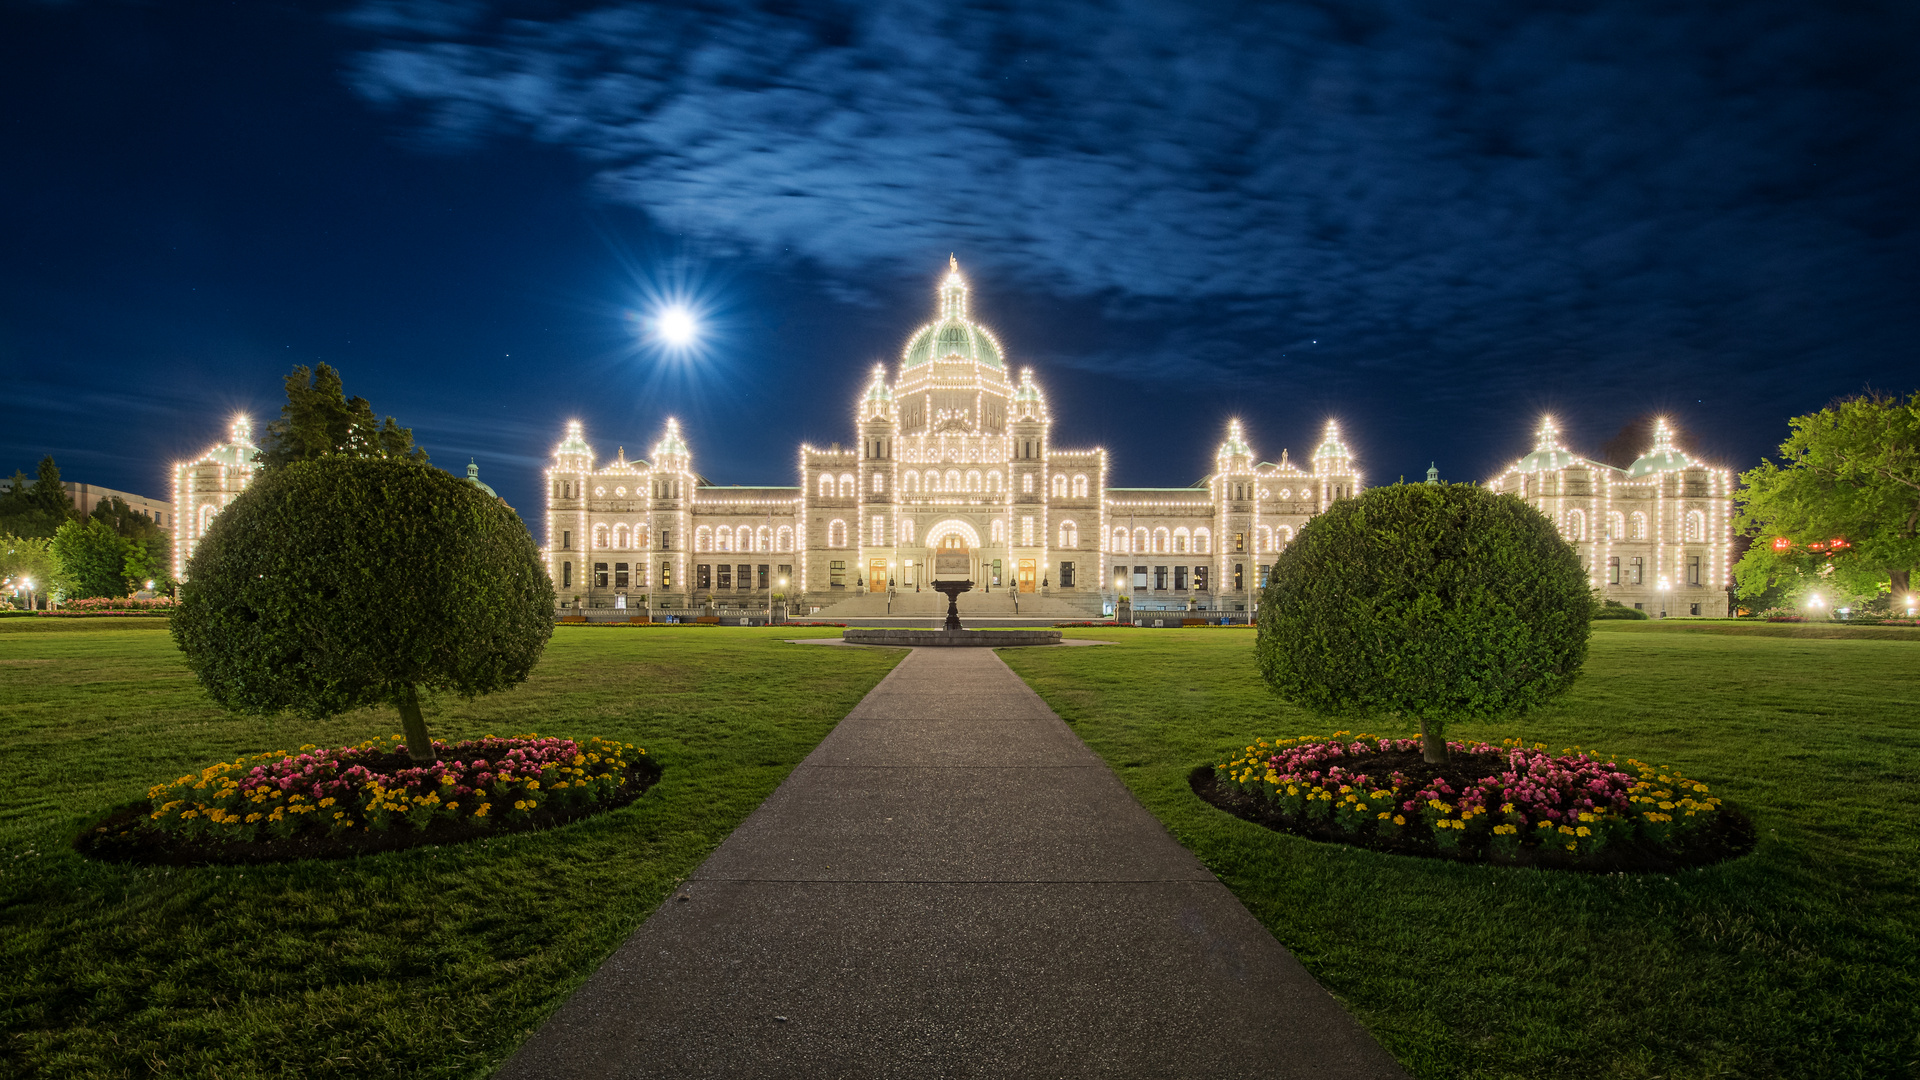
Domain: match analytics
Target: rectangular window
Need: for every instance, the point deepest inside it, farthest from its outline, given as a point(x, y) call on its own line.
point(743, 575)
point(1693, 609)
point(1160, 578)
point(566, 575)
point(620, 575)
point(1634, 567)
point(1239, 576)
point(1066, 575)
point(837, 573)
point(1139, 577)
point(996, 571)
point(566, 539)
point(1179, 579)
point(1613, 570)
point(1239, 541)
point(1693, 570)
point(703, 576)
point(599, 575)
point(1199, 579)
point(666, 575)
point(786, 574)
point(1264, 570)
point(1026, 531)
point(763, 578)
point(726, 576)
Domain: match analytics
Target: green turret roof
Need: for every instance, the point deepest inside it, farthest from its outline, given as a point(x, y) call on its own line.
point(1664, 456)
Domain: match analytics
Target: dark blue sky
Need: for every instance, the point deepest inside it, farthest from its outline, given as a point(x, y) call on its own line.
point(1430, 220)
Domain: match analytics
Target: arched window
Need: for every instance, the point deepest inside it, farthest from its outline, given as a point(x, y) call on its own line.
point(1263, 539)
point(1638, 526)
point(1283, 533)
point(953, 480)
point(879, 483)
point(1576, 524)
point(599, 536)
point(1069, 535)
point(1059, 485)
point(620, 536)
point(879, 532)
point(1026, 484)
point(723, 538)
point(1140, 540)
point(999, 531)
point(1616, 525)
point(1119, 541)
point(836, 533)
point(763, 541)
point(993, 481)
point(1203, 540)
point(973, 480)
point(784, 538)
point(642, 536)
point(743, 538)
point(1080, 487)
point(1162, 540)
point(703, 539)
point(826, 486)
point(846, 485)
point(206, 518)
point(1696, 525)
point(1181, 540)
point(906, 530)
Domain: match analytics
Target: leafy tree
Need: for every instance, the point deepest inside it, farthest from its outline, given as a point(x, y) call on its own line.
point(319, 420)
point(149, 548)
point(1850, 472)
point(91, 559)
point(1437, 602)
point(26, 559)
point(342, 582)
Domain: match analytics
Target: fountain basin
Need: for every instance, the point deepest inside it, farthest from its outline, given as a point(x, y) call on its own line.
point(887, 635)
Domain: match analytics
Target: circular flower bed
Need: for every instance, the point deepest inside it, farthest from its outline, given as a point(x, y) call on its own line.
point(316, 803)
point(1510, 803)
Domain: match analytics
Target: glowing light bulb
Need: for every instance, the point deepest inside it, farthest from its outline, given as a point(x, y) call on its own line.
point(676, 326)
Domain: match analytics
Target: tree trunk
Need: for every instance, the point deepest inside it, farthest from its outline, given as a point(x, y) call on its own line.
point(1433, 744)
point(419, 747)
point(1902, 583)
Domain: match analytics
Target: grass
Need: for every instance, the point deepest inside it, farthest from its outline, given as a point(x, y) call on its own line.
point(423, 963)
point(1799, 960)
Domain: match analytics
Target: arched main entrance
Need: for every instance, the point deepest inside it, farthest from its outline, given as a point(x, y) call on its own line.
point(953, 537)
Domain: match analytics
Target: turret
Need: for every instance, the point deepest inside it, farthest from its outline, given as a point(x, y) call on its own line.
point(1333, 467)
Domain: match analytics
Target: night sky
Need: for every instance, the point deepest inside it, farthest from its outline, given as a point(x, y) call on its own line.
point(1433, 221)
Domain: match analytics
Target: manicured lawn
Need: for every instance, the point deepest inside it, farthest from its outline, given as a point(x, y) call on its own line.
point(429, 962)
point(1800, 960)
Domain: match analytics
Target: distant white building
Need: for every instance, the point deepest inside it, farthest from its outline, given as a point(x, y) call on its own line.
point(1657, 535)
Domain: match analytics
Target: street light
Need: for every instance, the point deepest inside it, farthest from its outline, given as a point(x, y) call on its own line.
point(1665, 585)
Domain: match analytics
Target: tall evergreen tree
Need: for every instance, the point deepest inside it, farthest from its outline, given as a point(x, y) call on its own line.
point(319, 420)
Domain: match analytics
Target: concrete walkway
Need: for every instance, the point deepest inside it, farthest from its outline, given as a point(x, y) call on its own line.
point(951, 885)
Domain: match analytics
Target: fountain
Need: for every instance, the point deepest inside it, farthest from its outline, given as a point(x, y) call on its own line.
point(952, 575)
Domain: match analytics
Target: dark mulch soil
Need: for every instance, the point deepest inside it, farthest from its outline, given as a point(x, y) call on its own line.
point(124, 836)
point(1731, 836)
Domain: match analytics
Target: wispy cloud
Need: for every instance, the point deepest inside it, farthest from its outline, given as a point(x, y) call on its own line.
point(1416, 184)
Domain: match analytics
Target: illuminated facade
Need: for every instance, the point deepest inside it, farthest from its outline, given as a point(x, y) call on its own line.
point(1657, 535)
point(204, 486)
point(952, 452)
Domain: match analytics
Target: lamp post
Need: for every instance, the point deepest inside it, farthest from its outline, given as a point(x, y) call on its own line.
point(27, 584)
point(1119, 584)
point(1814, 603)
point(1665, 585)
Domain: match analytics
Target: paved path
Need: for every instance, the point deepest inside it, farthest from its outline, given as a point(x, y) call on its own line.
point(951, 885)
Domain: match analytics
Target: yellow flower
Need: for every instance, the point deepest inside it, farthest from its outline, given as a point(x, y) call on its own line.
point(1398, 820)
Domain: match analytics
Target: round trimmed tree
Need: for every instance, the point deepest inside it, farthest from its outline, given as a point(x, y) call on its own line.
point(1436, 602)
point(342, 582)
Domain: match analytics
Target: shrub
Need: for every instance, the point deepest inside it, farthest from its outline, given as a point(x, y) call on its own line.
point(338, 583)
point(1438, 602)
point(1614, 609)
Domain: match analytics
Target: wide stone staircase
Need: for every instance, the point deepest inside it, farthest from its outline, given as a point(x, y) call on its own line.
point(998, 604)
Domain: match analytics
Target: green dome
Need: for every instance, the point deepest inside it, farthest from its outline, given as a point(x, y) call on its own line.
point(1664, 456)
point(952, 334)
point(1548, 455)
point(473, 477)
